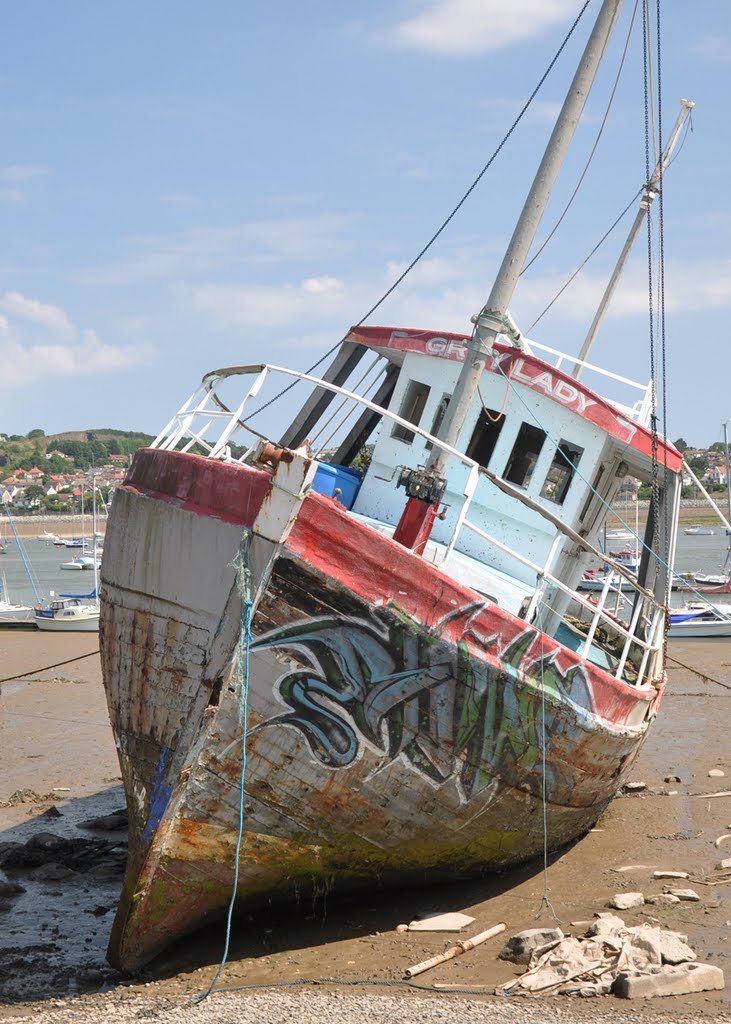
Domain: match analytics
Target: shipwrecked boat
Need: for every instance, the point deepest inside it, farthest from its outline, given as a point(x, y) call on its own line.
point(323, 679)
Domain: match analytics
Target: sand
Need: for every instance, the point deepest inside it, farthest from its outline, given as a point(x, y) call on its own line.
point(58, 769)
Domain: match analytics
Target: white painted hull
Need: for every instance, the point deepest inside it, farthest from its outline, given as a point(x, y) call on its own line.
point(78, 624)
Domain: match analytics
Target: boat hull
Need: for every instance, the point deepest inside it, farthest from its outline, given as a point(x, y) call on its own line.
point(401, 727)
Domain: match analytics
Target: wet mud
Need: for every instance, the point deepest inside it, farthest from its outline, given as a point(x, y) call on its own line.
point(63, 845)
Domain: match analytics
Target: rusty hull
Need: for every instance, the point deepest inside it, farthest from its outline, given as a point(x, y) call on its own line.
point(401, 728)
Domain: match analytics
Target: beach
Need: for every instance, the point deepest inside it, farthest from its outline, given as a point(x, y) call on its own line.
point(59, 775)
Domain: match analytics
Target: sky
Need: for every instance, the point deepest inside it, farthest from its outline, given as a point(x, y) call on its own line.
point(185, 186)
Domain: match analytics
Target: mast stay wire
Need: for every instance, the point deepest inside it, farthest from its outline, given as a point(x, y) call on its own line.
point(450, 217)
point(599, 134)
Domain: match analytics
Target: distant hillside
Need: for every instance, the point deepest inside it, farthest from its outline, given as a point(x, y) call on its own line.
point(57, 453)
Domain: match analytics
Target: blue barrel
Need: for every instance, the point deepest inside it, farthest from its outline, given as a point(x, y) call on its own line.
point(330, 477)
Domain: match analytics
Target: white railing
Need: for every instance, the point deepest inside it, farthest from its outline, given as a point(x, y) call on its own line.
point(205, 412)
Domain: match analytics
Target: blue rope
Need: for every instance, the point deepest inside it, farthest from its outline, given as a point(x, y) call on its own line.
point(243, 583)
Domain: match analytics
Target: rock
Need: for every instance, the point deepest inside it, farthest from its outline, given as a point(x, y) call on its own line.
point(634, 787)
point(716, 773)
point(674, 948)
point(689, 895)
point(606, 926)
point(401, 928)
point(672, 778)
point(668, 981)
point(644, 944)
point(106, 823)
point(670, 874)
point(663, 899)
point(725, 864)
point(626, 900)
point(52, 812)
point(51, 872)
point(8, 887)
point(518, 948)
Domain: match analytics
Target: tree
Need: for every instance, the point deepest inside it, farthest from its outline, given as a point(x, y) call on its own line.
point(681, 444)
point(32, 434)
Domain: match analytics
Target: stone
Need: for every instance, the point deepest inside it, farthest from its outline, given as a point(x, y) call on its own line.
point(634, 787)
point(626, 900)
point(674, 948)
point(689, 895)
point(8, 887)
point(672, 778)
point(725, 864)
point(716, 773)
point(643, 944)
point(668, 981)
point(449, 922)
point(670, 874)
point(519, 947)
point(663, 899)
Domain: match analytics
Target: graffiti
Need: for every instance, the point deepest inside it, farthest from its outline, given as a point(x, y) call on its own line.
point(410, 693)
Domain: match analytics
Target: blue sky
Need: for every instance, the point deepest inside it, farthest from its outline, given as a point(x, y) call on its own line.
point(185, 186)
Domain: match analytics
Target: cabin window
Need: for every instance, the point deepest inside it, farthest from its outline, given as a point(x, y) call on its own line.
point(590, 497)
point(524, 455)
point(484, 436)
point(559, 476)
point(412, 406)
point(438, 418)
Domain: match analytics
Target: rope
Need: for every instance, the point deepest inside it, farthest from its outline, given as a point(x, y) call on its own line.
point(31, 575)
point(47, 668)
point(701, 675)
point(448, 219)
point(580, 182)
point(243, 585)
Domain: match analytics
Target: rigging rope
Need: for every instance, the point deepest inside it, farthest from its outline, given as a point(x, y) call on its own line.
point(451, 216)
point(573, 195)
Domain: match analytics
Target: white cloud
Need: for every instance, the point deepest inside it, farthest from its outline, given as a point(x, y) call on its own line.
point(202, 249)
point(52, 317)
point(21, 172)
point(24, 362)
point(11, 195)
point(271, 306)
point(4, 324)
point(455, 27)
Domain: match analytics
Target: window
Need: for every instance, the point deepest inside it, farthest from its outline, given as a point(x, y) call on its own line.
point(438, 418)
point(559, 476)
point(524, 455)
point(411, 409)
point(484, 436)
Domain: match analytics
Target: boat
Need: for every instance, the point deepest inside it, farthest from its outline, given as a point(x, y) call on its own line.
point(698, 531)
point(699, 619)
point(68, 613)
point(49, 537)
point(322, 678)
point(597, 581)
point(81, 562)
point(11, 613)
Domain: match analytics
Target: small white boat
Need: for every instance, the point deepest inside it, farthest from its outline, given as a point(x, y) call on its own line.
point(11, 613)
point(50, 537)
point(594, 581)
point(698, 531)
point(69, 614)
point(698, 619)
point(81, 562)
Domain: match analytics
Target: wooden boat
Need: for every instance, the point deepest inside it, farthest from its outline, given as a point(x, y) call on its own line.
point(310, 693)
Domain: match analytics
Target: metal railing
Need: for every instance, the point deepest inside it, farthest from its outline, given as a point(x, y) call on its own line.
point(205, 412)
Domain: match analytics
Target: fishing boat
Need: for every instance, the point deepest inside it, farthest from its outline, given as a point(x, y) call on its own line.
point(699, 619)
point(69, 613)
point(327, 678)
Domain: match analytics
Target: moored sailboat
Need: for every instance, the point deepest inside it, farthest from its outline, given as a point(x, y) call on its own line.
point(376, 688)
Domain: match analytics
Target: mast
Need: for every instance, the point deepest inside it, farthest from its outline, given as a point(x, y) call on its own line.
point(489, 323)
point(649, 193)
point(417, 519)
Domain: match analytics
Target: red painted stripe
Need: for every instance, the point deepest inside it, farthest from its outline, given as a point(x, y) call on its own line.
point(224, 491)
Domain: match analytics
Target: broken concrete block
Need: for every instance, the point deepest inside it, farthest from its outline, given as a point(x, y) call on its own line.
point(642, 944)
point(725, 864)
point(670, 874)
point(634, 787)
point(674, 948)
point(606, 926)
point(518, 948)
point(663, 899)
point(626, 900)
point(690, 895)
point(668, 981)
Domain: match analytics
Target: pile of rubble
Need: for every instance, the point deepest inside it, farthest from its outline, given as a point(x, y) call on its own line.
point(636, 963)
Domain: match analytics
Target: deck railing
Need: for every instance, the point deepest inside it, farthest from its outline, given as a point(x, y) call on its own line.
point(205, 422)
